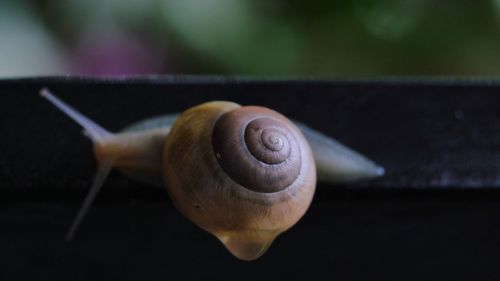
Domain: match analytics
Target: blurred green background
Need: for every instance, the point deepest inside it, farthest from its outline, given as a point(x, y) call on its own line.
point(333, 38)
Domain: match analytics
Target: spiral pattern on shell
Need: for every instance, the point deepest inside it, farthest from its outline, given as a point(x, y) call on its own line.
point(256, 148)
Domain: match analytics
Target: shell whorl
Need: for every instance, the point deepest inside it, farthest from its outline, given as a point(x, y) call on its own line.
point(256, 148)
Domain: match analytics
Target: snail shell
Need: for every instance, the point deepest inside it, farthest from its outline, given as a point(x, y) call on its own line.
point(244, 174)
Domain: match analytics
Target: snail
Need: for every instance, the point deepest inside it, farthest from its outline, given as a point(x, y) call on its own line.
point(243, 173)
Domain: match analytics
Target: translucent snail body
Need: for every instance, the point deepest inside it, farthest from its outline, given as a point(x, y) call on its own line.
point(243, 173)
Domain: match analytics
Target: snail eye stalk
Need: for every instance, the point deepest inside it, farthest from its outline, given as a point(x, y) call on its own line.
point(92, 129)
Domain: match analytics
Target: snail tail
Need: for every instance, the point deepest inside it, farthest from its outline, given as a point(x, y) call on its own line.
point(337, 163)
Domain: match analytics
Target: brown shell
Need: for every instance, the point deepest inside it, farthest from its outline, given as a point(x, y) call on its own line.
point(245, 218)
point(257, 149)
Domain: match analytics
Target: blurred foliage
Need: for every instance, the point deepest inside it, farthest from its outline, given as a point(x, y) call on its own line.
point(342, 38)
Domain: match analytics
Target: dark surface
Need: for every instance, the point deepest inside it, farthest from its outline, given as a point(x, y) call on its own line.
point(435, 216)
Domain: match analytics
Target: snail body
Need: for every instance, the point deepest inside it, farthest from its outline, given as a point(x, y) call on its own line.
point(243, 173)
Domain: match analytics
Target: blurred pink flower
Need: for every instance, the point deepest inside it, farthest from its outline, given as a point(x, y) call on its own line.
point(111, 54)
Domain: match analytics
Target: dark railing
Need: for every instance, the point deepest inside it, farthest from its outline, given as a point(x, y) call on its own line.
point(434, 214)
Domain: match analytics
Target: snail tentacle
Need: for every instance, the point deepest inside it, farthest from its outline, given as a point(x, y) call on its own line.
point(103, 170)
point(98, 135)
point(92, 129)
